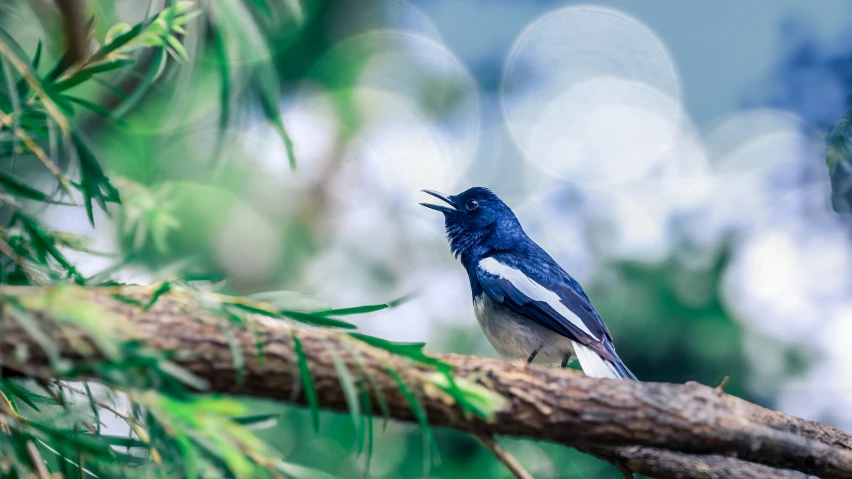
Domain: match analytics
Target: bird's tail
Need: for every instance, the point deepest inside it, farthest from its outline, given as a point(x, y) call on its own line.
point(597, 367)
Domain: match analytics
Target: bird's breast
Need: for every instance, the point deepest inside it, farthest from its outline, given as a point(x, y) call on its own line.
point(515, 336)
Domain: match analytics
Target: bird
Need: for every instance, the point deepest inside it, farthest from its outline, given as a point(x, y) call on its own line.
point(526, 304)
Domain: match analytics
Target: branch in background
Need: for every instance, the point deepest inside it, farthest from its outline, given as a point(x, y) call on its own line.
point(667, 464)
point(74, 27)
point(503, 456)
point(672, 430)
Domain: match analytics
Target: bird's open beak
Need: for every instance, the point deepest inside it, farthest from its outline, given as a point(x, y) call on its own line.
point(441, 208)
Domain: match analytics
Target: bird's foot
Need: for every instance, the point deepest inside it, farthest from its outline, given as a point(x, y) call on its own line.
point(533, 355)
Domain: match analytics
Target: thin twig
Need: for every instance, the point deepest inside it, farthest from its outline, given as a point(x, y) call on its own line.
point(130, 420)
point(503, 456)
point(37, 87)
point(37, 461)
point(720, 389)
point(8, 121)
point(7, 249)
point(76, 30)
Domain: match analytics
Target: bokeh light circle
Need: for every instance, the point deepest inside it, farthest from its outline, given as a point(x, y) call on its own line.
point(397, 151)
point(412, 107)
point(581, 86)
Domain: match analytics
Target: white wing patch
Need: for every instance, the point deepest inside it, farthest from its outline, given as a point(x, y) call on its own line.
point(533, 290)
point(593, 365)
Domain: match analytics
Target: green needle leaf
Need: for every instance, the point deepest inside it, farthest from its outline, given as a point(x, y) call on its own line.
point(307, 381)
point(422, 419)
point(350, 390)
point(16, 187)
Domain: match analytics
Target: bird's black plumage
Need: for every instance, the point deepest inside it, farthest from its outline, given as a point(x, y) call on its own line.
point(523, 282)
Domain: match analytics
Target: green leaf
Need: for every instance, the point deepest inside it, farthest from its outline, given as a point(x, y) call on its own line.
point(22, 87)
point(44, 244)
point(87, 73)
point(37, 56)
point(94, 183)
point(180, 51)
point(242, 38)
point(95, 409)
point(121, 40)
point(112, 88)
point(94, 107)
point(307, 381)
point(84, 443)
point(367, 428)
point(291, 301)
point(28, 323)
point(317, 320)
point(16, 47)
point(350, 390)
point(225, 91)
point(115, 31)
point(422, 419)
point(26, 396)
point(15, 187)
point(365, 377)
point(120, 441)
point(164, 288)
point(410, 350)
point(236, 353)
point(182, 375)
point(15, 100)
point(267, 88)
point(301, 472)
point(260, 421)
point(146, 83)
point(189, 453)
point(259, 307)
point(470, 396)
point(364, 309)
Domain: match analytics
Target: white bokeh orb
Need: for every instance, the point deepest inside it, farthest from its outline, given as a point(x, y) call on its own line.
point(590, 94)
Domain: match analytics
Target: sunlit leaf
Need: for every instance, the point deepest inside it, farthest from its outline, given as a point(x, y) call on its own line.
point(470, 396)
point(410, 350)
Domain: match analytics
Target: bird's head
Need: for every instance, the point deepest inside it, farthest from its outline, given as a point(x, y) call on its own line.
point(476, 220)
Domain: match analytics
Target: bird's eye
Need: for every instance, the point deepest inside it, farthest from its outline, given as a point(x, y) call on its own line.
point(471, 205)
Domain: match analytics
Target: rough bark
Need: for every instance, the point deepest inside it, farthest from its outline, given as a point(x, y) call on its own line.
point(662, 430)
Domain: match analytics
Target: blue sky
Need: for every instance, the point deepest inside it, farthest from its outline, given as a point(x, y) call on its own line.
point(721, 48)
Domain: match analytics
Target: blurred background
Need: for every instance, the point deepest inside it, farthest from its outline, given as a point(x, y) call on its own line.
point(670, 155)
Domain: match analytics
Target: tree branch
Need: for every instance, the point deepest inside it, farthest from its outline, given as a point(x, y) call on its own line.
point(503, 456)
point(663, 430)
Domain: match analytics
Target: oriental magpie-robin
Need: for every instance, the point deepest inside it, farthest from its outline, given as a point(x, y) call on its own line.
point(526, 304)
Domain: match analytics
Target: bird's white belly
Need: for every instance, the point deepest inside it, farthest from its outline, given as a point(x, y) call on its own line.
point(515, 337)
